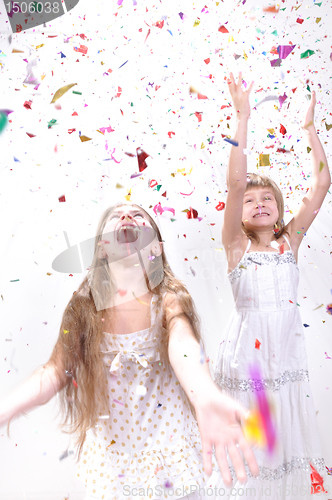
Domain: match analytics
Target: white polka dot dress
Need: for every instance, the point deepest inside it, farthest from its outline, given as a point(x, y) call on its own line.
point(148, 437)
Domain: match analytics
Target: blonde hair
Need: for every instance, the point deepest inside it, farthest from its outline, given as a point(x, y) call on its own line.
point(260, 181)
point(77, 350)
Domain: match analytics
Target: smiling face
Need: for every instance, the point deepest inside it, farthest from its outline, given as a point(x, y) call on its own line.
point(260, 208)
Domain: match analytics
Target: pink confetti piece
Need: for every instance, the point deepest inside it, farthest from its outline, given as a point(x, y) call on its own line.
point(162, 209)
point(118, 402)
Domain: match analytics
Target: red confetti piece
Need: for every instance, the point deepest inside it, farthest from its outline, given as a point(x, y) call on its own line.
point(282, 129)
point(119, 92)
point(160, 24)
point(153, 183)
point(199, 116)
point(62, 198)
point(257, 344)
point(220, 206)
point(71, 130)
point(141, 157)
point(192, 213)
point(207, 60)
point(170, 134)
point(157, 87)
point(222, 29)
point(281, 249)
point(201, 96)
point(82, 48)
point(122, 293)
point(27, 104)
point(30, 135)
point(74, 114)
point(75, 383)
point(300, 21)
point(316, 482)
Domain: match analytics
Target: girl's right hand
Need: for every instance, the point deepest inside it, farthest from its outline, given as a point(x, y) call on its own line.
point(219, 421)
point(240, 97)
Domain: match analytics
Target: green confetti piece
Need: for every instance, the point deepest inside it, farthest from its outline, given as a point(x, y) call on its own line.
point(308, 88)
point(274, 33)
point(148, 96)
point(3, 121)
point(158, 187)
point(79, 93)
point(50, 123)
point(307, 53)
point(308, 149)
point(321, 165)
point(12, 281)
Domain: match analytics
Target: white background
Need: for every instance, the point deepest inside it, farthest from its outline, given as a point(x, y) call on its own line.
point(56, 163)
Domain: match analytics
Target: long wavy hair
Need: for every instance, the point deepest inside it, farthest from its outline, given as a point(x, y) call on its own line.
point(76, 357)
point(260, 181)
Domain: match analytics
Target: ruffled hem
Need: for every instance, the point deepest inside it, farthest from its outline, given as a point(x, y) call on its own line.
point(294, 485)
point(158, 473)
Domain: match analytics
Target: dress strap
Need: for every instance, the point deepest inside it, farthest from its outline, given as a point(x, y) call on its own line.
point(248, 246)
point(288, 242)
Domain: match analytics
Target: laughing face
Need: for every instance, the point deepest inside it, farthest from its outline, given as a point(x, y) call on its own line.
point(259, 209)
point(127, 231)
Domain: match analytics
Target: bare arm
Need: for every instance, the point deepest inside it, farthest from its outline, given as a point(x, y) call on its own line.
point(321, 181)
point(37, 390)
point(232, 233)
point(218, 416)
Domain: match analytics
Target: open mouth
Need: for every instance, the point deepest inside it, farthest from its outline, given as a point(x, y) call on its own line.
point(127, 234)
point(263, 214)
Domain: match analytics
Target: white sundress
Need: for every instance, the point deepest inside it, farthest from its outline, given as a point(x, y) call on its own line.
point(265, 329)
point(143, 446)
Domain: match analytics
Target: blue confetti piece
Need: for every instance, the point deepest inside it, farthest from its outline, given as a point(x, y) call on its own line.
point(62, 55)
point(234, 143)
point(15, 159)
point(305, 325)
point(123, 64)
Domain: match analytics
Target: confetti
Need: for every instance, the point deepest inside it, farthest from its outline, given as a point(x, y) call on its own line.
point(329, 309)
point(231, 141)
point(59, 93)
point(307, 54)
point(257, 344)
point(220, 206)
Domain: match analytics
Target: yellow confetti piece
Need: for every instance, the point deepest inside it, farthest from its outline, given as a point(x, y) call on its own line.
point(65, 331)
point(84, 138)
point(270, 131)
point(264, 160)
point(39, 46)
point(253, 428)
point(321, 165)
point(328, 126)
point(230, 38)
point(202, 145)
point(196, 23)
point(59, 93)
point(118, 186)
point(318, 19)
point(128, 195)
point(245, 55)
point(15, 51)
point(322, 305)
point(49, 274)
point(42, 77)
point(140, 301)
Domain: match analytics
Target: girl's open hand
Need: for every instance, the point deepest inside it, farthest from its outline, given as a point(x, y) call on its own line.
point(219, 421)
point(240, 97)
point(309, 119)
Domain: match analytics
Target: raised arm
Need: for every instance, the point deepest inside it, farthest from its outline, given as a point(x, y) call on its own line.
point(232, 234)
point(37, 390)
point(321, 181)
point(218, 416)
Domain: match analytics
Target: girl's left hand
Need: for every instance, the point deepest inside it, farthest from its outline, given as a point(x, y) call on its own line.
point(309, 119)
point(219, 421)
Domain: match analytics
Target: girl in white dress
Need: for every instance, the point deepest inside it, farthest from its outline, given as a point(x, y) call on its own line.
point(265, 329)
point(129, 370)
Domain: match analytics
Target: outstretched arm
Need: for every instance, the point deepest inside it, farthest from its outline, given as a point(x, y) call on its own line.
point(35, 391)
point(321, 181)
point(218, 416)
point(236, 175)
